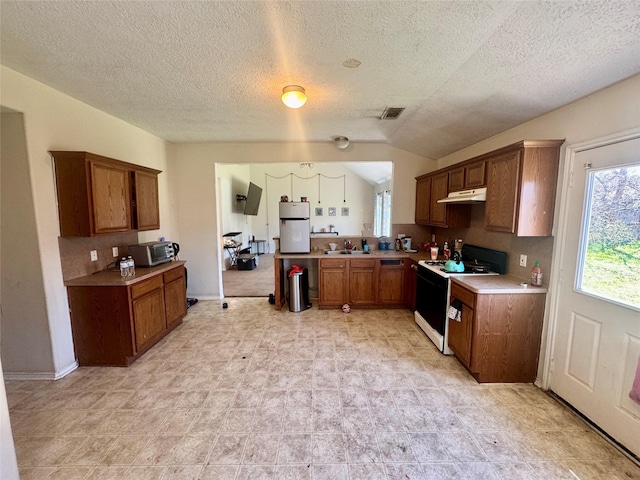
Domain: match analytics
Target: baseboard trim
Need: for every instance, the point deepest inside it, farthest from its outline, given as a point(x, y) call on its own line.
point(41, 375)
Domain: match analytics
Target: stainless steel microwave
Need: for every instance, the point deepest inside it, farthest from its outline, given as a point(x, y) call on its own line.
point(151, 253)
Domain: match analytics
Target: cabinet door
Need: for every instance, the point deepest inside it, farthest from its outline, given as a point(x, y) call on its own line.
point(456, 179)
point(145, 193)
point(503, 176)
point(333, 284)
point(411, 272)
point(460, 334)
point(111, 198)
point(175, 298)
point(438, 211)
point(149, 317)
point(423, 200)
point(362, 274)
point(474, 175)
point(391, 283)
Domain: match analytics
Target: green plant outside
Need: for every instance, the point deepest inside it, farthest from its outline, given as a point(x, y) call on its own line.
point(613, 272)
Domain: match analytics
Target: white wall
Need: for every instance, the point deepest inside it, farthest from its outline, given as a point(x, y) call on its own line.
point(233, 180)
point(8, 460)
point(54, 121)
point(192, 168)
point(276, 180)
point(24, 310)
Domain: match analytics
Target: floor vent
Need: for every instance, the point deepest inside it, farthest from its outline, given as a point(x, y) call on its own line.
point(391, 113)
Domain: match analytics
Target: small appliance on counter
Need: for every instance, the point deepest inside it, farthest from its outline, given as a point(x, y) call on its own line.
point(150, 254)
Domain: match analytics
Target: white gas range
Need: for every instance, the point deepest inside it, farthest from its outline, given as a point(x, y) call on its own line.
point(433, 289)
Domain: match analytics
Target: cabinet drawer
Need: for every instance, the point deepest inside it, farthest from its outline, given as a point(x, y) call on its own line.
point(464, 295)
point(363, 263)
point(147, 286)
point(332, 263)
point(392, 263)
point(174, 274)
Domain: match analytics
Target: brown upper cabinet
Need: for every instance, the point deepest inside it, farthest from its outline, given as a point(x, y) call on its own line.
point(429, 189)
point(99, 195)
point(467, 177)
point(521, 188)
point(510, 207)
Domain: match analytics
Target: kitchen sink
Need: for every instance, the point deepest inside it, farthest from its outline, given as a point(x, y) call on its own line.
point(346, 252)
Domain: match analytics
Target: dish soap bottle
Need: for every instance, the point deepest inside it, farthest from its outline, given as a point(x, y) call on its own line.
point(536, 275)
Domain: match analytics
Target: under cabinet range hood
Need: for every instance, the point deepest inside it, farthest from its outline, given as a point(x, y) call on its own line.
point(476, 195)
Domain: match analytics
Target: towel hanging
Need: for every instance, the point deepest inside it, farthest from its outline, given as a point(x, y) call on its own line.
point(455, 310)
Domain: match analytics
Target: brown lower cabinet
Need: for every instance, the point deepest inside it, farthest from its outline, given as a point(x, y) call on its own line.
point(115, 324)
point(361, 282)
point(498, 337)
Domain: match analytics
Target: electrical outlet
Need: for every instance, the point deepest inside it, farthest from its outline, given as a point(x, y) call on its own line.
point(114, 251)
point(523, 260)
point(94, 255)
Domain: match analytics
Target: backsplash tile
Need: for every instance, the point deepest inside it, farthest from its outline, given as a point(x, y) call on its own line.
point(75, 251)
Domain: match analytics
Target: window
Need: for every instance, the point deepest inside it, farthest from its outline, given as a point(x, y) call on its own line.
point(382, 221)
point(610, 254)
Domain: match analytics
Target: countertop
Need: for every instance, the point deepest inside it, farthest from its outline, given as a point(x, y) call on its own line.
point(416, 256)
point(496, 284)
point(109, 278)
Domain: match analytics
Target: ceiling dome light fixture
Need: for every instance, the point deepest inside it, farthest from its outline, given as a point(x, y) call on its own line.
point(294, 96)
point(341, 142)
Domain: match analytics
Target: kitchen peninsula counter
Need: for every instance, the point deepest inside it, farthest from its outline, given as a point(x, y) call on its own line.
point(281, 259)
point(419, 255)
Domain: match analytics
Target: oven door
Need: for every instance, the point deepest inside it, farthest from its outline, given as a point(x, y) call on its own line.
point(431, 299)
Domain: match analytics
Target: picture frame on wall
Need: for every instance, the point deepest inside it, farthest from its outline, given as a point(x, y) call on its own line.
point(332, 211)
point(345, 211)
point(318, 211)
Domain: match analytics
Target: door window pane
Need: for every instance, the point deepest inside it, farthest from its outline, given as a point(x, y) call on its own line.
point(610, 257)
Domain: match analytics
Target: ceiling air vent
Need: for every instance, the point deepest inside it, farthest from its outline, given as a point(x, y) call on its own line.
point(391, 113)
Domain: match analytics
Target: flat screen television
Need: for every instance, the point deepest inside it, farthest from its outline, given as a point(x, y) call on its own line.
point(253, 199)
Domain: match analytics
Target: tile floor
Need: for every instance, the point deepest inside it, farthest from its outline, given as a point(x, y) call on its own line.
point(251, 393)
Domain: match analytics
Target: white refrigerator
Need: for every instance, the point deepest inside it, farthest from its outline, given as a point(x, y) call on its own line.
point(295, 227)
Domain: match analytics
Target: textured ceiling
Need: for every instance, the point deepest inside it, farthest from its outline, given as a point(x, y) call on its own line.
point(214, 70)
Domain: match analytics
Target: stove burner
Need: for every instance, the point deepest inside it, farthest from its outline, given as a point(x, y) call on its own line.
point(435, 262)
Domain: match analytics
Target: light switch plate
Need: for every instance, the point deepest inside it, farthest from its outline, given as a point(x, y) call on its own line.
point(523, 260)
point(114, 251)
point(94, 255)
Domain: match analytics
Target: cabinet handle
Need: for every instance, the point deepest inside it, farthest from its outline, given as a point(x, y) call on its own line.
point(414, 266)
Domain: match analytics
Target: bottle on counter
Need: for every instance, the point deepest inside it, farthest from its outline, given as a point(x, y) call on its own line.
point(536, 275)
point(445, 250)
point(131, 266)
point(123, 267)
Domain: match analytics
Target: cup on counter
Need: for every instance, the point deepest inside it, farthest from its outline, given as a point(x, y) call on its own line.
point(434, 253)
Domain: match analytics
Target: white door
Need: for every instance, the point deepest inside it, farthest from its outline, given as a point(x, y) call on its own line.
point(597, 305)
